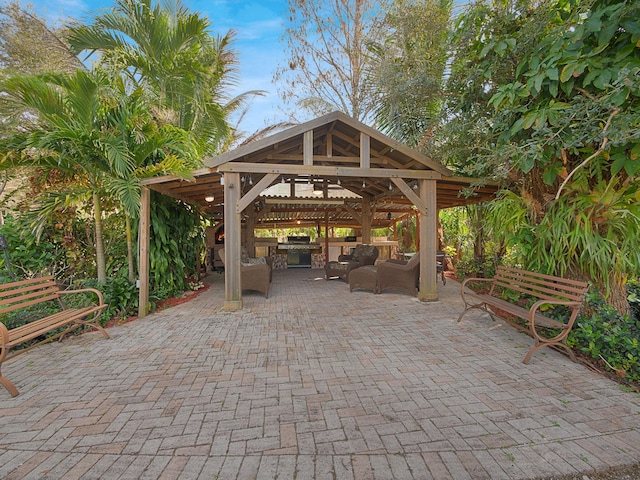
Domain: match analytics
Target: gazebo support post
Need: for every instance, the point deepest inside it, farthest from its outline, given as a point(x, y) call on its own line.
point(250, 225)
point(143, 254)
point(326, 238)
point(366, 220)
point(428, 233)
point(232, 234)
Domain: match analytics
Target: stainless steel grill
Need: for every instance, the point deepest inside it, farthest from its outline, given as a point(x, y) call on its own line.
point(298, 250)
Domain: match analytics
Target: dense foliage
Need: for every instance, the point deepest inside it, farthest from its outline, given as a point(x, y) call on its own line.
point(177, 239)
point(28, 258)
point(569, 123)
point(610, 339)
point(150, 105)
point(408, 70)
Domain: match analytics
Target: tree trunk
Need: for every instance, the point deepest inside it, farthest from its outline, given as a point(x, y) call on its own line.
point(100, 261)
point(132, 273)
point(618, 297)
point(448, 262)
point(476, 225)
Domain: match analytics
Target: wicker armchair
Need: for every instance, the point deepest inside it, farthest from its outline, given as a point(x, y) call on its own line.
point(395, 274)
point(362, 255)
point(254, 275)
point(246, 259)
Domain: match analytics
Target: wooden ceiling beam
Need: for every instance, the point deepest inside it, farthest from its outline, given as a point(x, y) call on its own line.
point(195, 189)
point(316, 158)
point(325, 171)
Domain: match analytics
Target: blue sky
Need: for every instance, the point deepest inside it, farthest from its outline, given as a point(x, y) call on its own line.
point(259, 26)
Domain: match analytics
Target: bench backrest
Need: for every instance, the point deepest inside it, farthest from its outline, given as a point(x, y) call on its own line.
point(539, 285)
point(16, 295)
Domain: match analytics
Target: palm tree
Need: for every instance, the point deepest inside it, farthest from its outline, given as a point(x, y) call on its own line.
point(154, 150)
point(84, 125)
point(169, 52)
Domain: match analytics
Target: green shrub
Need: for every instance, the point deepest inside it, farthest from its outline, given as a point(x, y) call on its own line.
point(476, 267)
point(119, 293)
point(28, 258)
point(613, 340)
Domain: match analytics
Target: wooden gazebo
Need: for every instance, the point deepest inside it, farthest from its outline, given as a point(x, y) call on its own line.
point(387, 181)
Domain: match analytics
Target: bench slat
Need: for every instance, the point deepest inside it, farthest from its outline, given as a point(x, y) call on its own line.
point(27, 301)
point(19, 288)
point(538, 292)
point(518, 311)
point(539, 287)
point(36, 328)
point(30, 281)
point(17, 295)
point(551, 278)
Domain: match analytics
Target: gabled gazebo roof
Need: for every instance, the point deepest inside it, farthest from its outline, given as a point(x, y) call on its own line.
point(332, 162)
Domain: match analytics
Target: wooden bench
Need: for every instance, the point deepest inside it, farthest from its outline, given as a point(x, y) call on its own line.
point(547, 289)
point(19, 295)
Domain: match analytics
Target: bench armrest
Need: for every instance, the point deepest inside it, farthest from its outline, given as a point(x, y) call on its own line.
point(81, 290)
point(476, 279)
point(254, 267)
point(4, 339)
point(567, 303)
point(473, 279)
point(396, 261)
point(392, 266)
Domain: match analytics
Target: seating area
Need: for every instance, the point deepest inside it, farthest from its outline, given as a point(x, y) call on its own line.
point(18, 296)
point(394, 275)
point(255, 273)
point(390, 275)
point(362, 255)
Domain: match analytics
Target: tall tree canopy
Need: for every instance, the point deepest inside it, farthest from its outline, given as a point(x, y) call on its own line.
point(171, 53)
point(185, 72)
point(570, 128)
point(91, 130)
point(487, 42)
point(29, 45)
point(407, 72)
point(328, 57)
point(159, 70)
point(553, 109)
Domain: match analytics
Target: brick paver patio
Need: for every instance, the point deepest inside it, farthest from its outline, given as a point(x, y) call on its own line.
point(314, 382)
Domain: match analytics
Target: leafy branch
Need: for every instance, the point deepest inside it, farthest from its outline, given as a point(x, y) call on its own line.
point(601, 148)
